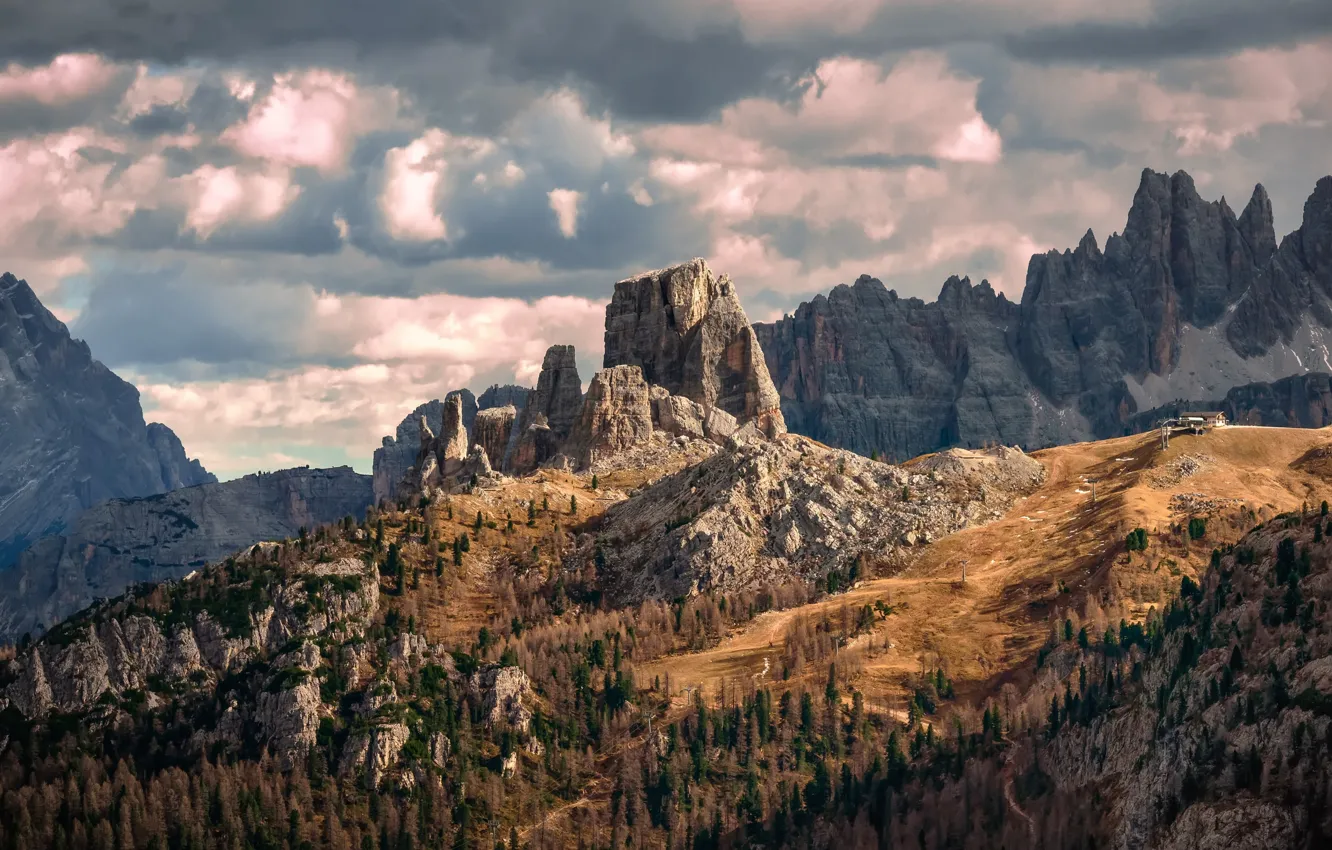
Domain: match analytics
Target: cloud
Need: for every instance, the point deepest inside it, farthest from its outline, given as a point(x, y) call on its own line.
point(412, 180)
point(315, 217)
point(224, 194)
point(309, 119)
point(564, 203)
point(919, 106)
point(1180, 29)
point(404, 351)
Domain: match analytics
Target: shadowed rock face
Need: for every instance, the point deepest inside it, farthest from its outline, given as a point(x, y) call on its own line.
point(685, 329)
point(1189, 301)
point(71, 432)
point(550, 413)
point(122, 542)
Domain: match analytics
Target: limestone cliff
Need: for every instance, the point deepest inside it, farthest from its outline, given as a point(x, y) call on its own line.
point(685, 329)
point(616, 416)
point(550, 412)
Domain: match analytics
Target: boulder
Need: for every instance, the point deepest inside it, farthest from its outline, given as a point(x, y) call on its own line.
point(677, 415)
point(718, 425)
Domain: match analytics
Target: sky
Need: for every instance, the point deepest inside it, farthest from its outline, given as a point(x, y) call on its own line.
point(290, 223)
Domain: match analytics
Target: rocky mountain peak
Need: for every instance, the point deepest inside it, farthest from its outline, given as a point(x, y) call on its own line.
point(1187, 299)
point(1256, 224)
point(1316, 233)
point(1087, 246)
point(72, 433)
point(685, 329)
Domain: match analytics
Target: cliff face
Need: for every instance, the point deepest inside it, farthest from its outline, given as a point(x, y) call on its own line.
point(1188, 302)
point(865, 369)
point(71, 432)
point(685, 329)
point(1213, 740)
point(122, 542)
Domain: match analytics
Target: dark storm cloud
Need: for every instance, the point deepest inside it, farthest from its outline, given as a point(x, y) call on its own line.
point(637, 69)
point(160, 316)
point(817, 247)
point(24, 116)
point(160, 119)
point(1193, 28)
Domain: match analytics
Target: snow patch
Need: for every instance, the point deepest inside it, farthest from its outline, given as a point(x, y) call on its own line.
point(1209, 367)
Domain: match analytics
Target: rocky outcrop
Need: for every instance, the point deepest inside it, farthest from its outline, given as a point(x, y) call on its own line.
point(120, 652)
point(776, 510)
point(533, 446)
point(685, 329)
point(452, 443)
point(550, 413)
point(289, 716)
point(493, 428)
point(676, 415)
point(502, 692)
point(72, 433)
point(123, 542)
point(1188, 302)
point(396, 456)
point(616, 416)
point(375, 751)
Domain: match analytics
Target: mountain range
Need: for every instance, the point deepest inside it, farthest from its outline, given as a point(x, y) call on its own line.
point(1188, 302)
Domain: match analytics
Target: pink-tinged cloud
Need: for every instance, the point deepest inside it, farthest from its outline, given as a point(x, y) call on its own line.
point(564, 203)
point(68, 78)
point(418, 177)
point(412, 182)
point(228, 194)
point(852, 107)
point(1134, 109)
point(412, 350)
point(310, 119)
point(51, 194)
